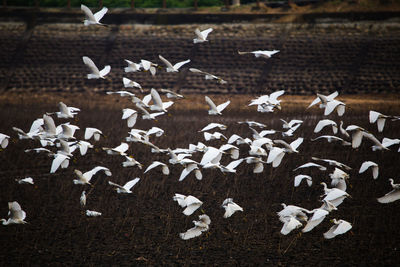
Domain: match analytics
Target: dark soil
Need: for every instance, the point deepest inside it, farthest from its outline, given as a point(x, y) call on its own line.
point(143, 228)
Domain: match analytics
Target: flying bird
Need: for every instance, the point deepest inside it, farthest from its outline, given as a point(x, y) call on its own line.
point(93, 19)
point(96, 73)
point(392, 195)
point(261, 53)
point(230, 207)
point(173, 68)
point(201, 35)
point(202, 225)
point(190, 203)
point(216, 110)
point(126, 188)
point(15, 213)
point(340, 227)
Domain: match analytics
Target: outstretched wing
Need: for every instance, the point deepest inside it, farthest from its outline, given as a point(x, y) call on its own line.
point(88, 62)
point(180, 64)
point(88, 13)
point(131, 183)
point(99, 15)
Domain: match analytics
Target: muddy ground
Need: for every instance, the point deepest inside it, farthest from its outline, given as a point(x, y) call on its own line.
point(143, 228)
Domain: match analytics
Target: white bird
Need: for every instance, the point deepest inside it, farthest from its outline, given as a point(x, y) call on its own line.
point(216, 110)
point(149, 116)
point(356, 136)
point(377, 145)
point(158, 105)
point(323, 99)
point(290, 223)
point(87, 176)
point(379, 118)
point(126, 188)
point(231, 167)
point(387, 142)
point(213, 125)
point(334, 195)
point(93, 19)
point(209, 76)
point(323, 123)
point(93, 132)
point(4, 140)
point(190, 203)
point(131, 161)
point(149, 66)
point(239, 140)
point(171, 94)
point(392, 195)
point(15, 213)
point(370, 164)
point(259, 167)
point(49, 127)
point(333, 163)
point(276, 154)
point(253, 124)
point(96, 73)
point(331, 138)
point(164, 167)
point(201, 226)
point(261, 53)
point(230, 207)
point(340, 227)
point(129, 83)
point(82, 199)
point(130, 115)
point(132, 66)
point(121, 93)
point(309, 165)
point(173, 68)
point(189, 166)
point(65, 112)
point(201, 35)
point(231, 149)
point(27, 180)
point(295, 211)
point(119, 150)
point(318, 216)
point(213, 136)
point(92, 213)
point(301, 177)
point(212, 155)
point(339, 179)
point(60, 159)
point(291, 124)
point(335, 104)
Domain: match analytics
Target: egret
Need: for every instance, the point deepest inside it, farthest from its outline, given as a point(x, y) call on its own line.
point(190, 203)
point(15, 213)
point(230, 207)
point(87, 176)
point(201, 35)
point(340, 227)
point(126, 188)
point(93, 19)
point(392, 195)
point(201, 226)
point(96, 73)
point(216, 110)
point(261, 53)
point(370, 164)
point(173, 68)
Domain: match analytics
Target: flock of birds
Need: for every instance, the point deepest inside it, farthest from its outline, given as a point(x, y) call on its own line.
point(59, 143)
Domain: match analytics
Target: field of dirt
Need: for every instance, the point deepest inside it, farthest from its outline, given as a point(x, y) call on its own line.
point(361, 57)
point(143, 228)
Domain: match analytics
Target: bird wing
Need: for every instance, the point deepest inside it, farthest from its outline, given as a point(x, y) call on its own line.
point(114, 184)
point(322, 123)
point(330, 106)
point(88, 62)
point(274, 96)
point(234, 164)
point(342, 228)
point(131, 184)
point(211, 103)
point(191, 233)
point(373, 116)
point(105, 71)
point(231, 208)
point(153, 165)
point(222, 106)
point(210, 155)
point(57, 161)
point(180, 64)
point(166, 62)
point(156, 98)
point(289, 225)
point(274, 153)
point(100, 14)
point(296, 143)
point(390, 197)
point(191, 208)
point(205, 33)
point(121, 148)
point(127, 112)
point(49, 125)
point(381, 124)
point(100, 168)
point(299, 178)
point(88, 13)
point(366, 165)
point(330, 233)
point(63, 108)
point(185, 172)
